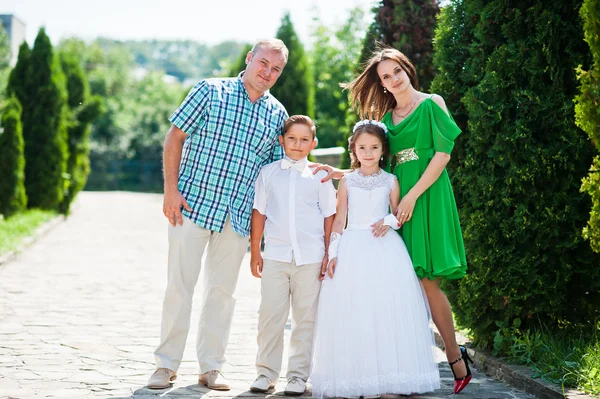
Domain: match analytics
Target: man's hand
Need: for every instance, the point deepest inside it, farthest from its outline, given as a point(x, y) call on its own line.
point(256, 264)
point(172, 203)
point(331, 267)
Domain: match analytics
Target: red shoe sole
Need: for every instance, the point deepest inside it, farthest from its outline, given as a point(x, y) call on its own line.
point(461, 384)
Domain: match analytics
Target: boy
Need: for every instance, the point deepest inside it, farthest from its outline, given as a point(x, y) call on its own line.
point(295, 211)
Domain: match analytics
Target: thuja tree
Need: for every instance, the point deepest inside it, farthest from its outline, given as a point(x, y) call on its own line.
point(587, 115)
point(294, 89)
point(409, 25)
point(240, 63)
point(44, 128)
point(83, 110)
point(521, 210)
point(12, 160)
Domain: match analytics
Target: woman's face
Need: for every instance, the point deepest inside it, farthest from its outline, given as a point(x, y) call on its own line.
point(393, 77)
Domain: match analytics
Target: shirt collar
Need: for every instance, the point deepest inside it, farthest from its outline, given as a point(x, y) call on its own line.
point(243, 88)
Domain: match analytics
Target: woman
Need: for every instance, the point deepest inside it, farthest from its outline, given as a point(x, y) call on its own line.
point(421, 133)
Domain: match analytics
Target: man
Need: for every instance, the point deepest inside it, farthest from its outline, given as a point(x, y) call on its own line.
point(222, 134)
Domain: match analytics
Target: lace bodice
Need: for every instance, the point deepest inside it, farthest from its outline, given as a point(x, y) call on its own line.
point(368, 197)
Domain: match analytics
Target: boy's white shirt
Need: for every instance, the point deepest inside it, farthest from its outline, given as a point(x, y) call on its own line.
point(295, 204)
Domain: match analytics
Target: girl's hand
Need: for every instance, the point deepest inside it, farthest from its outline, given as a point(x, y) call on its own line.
point(405, 208)
point(379, 229)
point(332, 173)
point(331, 267)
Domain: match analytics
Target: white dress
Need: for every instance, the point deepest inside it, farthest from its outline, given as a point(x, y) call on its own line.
point(372, 335)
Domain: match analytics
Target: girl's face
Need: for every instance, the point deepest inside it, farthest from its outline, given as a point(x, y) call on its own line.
point(368, 149)
point(393, 77)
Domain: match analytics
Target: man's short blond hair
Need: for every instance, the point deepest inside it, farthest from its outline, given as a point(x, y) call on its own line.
point(271, 44)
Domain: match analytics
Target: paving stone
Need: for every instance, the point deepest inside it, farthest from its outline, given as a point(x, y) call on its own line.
point(80, 313)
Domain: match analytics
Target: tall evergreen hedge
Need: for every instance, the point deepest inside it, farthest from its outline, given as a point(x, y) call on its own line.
point(409, 26)
point(587, 115)
point(295, 88)
point(12, 160)
point(39, 84)
point(84, 109)
point(523, 161)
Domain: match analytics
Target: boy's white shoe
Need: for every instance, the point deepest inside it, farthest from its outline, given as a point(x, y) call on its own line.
point(262, 384)
point(295, 386)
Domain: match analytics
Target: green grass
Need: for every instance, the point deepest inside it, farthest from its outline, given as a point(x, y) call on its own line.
point(21, 225)
point(569, 359)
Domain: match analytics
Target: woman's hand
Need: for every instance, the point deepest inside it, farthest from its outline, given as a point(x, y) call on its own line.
point(332, 173)
point(405, 208)
point(331, 267)
point(379, 229)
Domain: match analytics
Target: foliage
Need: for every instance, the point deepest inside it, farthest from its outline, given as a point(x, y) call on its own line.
point(587, 115)
point(333, 57)
point(240, 63)
point(21, 225)
point(84, 109)
point(39, 85)
point(369, 44)
point(12, 160)
point(184, 59)
point(295, 87)
point(4, 61)
point(568, 357)
point(519, 177)
point(408, 25)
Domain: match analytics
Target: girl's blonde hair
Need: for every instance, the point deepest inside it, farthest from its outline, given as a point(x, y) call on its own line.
point(366, 91)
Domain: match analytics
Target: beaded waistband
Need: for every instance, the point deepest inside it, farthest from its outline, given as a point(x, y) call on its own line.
point(406, 155)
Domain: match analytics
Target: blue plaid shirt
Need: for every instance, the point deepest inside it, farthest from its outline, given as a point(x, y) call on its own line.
point(229, 140)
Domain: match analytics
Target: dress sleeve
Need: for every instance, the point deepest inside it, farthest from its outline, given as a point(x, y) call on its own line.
point(444, 129)
point(191, 114)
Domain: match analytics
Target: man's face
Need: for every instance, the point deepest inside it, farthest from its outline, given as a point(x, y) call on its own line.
point(263, 69)
point(298, 141)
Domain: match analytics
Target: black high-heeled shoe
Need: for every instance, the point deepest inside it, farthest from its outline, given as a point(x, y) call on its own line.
point(461, 383)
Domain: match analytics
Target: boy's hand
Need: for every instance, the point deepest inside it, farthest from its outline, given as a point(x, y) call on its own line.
point(323, 267)
point(379, 229)
point(331, 267)
point(256, 265)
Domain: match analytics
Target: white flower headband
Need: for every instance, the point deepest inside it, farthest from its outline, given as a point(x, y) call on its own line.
point(369, 122)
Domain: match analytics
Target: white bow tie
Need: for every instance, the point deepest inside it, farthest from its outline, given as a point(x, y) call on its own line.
point(286, 164)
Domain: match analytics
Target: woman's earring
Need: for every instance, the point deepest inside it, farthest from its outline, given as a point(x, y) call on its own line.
point(385, 90)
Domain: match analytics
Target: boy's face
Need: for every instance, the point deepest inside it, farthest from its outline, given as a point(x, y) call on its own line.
point(297, 141)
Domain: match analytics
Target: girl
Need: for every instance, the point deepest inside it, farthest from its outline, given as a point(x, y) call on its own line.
point(372, 335)
point(421, 134)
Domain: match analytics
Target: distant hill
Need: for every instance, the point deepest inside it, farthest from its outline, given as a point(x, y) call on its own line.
point(187, 60)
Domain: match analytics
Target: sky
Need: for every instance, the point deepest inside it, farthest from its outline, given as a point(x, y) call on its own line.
point(206, 21)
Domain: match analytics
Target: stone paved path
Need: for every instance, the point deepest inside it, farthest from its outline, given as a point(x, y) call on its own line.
point(80, 312)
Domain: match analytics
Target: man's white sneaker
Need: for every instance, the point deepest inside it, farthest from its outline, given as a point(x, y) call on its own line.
point(214, 380)
point(295, 386)
point(161, 378)
point(262, 384)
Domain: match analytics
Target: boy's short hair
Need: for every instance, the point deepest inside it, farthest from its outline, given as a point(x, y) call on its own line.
point(299, 120)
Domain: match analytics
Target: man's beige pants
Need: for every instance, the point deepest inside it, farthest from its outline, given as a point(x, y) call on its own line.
point(279, 282)
point(225, 252)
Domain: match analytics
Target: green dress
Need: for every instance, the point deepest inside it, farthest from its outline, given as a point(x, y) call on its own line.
point(433, 235)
